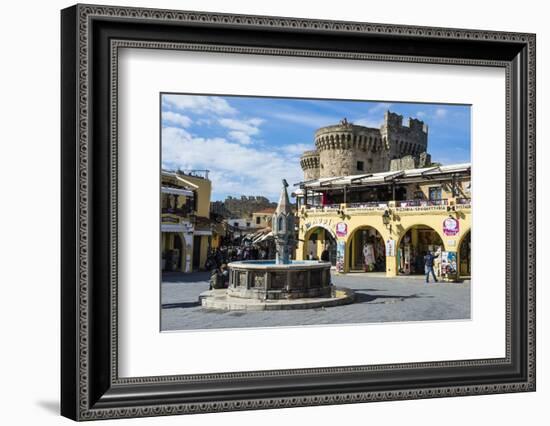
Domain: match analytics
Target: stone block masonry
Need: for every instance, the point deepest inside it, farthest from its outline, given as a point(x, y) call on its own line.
point(348, 149)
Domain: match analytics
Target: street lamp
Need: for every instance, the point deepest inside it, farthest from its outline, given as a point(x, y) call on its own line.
point(386, 219)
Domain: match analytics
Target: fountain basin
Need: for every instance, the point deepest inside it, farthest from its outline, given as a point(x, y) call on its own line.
point(266, 280)
point(257, 285)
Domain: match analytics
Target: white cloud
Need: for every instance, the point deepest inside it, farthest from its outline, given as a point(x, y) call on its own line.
point(374, 117)
point(241, 137)
point(437, 114)
point(176, 118)
point(369, 122)
point(249, 126)
point(440, 113)
point(199, 104)
point(382, 106)
point(296, 149)
point(204, 122)
point(235, 169)
point(242, 130)
point(313, 120)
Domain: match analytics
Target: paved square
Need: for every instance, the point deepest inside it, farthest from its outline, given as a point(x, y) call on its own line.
point(378, 299)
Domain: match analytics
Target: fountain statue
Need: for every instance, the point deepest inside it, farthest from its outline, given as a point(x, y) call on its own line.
point(282, 226)
point(281, 283)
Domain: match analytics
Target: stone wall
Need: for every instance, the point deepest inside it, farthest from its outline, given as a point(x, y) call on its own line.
point(310, 165)
point(411, 162)
point(243, 206)
point(349, 149)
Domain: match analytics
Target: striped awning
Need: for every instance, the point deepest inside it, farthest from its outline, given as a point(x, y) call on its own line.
point(176, 191)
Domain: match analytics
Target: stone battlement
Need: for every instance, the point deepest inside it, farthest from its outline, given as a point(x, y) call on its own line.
point(346, 148)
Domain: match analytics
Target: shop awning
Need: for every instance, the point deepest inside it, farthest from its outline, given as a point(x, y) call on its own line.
point(176, 227)
point(176, 191)
point(381, 178)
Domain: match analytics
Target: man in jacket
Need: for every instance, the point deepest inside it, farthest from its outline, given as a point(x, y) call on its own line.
point(429, 265)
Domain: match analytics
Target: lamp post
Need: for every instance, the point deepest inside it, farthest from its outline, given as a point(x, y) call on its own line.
point(386, 219)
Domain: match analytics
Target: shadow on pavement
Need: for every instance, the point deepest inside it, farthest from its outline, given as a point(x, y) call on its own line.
point(185, 277)
point(180, 305)
point(367, 298)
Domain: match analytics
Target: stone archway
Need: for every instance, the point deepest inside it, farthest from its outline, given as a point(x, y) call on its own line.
point(412, 245)
point(365, 250)
point(179, 245)
point(465, 255)
point(316, 239)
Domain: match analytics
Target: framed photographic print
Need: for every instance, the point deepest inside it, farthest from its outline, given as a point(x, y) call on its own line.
point(263, 212)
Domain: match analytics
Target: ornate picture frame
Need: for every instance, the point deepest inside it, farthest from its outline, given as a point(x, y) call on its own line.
point(91, 38)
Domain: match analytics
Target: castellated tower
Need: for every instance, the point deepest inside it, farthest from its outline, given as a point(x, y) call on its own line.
point(310, 164)
point(349, 149)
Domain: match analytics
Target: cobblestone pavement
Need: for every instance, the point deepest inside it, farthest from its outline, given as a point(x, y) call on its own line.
point(378, 299)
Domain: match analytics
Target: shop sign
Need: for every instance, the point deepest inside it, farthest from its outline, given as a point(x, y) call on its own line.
point(318, 222)
point(450, 226)
point(341, 229)
point(340, 255)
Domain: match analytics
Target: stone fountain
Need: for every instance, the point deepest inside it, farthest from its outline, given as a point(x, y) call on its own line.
point(281, 283)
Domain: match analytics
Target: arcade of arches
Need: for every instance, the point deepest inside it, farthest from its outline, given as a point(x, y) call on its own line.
point(367, 252)
point(319, 239)
point(413, 246)
point(369, 245)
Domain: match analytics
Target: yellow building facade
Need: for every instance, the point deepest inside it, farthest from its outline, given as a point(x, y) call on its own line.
point(385, 222)
point(186, 231)
point(262, 218)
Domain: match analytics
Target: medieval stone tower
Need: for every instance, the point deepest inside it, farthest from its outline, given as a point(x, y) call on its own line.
point(348, 149)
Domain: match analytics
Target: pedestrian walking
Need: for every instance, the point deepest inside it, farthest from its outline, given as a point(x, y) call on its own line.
point(325, 256)
point(429, 265)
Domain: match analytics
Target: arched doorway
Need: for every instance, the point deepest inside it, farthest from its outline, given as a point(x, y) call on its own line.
point(366, 250)
point(412, 247)
point(465, 256)
point(179, 249)
point(173, 252)
point(316, 240)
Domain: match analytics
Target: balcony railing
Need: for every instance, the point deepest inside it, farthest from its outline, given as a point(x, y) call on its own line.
point(368, 205)
point(422, 203)
point(177, 211)
point(403, 205)
point(203, 174)
point(321, 207)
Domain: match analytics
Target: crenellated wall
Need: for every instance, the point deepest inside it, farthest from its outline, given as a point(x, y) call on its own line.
point(310, 164)
point(349, 149)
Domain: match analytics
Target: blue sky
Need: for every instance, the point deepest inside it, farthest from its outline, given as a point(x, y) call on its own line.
point(249, 143)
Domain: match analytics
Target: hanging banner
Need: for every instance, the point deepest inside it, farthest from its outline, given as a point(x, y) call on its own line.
point(340, 254)
point(390, 247)
point(449, 265)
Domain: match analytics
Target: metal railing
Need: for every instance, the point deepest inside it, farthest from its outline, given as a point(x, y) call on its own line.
point(200, 173)
point(440, 202)
point(422, 203)
point(177, 212)
point(368, 205)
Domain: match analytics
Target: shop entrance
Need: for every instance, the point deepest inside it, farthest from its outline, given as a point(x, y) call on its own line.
point(317, 240)
point(173, 252)
point(412, 248)
point(196, 252)
point(367, 252)
point(465, 256)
